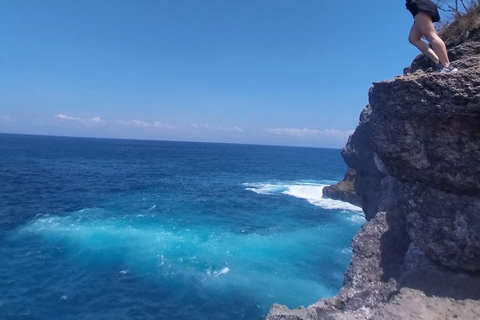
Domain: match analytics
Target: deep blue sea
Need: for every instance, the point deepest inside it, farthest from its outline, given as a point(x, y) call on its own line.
point(130, 229)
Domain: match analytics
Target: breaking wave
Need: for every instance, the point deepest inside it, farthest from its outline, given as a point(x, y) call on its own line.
point(311, 192)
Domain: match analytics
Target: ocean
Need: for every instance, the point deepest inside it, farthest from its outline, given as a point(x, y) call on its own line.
point(132, 229)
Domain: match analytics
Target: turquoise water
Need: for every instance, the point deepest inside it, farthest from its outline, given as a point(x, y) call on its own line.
point(101, 229)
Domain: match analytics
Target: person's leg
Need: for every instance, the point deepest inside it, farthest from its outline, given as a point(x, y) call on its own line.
point(424, 25)
point(415, 38)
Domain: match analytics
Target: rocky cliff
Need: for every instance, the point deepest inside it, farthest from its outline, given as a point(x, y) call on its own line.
point(416, 153)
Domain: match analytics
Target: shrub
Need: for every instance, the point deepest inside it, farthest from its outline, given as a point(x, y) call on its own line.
point(463, 25)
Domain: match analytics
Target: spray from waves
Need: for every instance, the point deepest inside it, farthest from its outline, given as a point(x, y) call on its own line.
point(312, 192)
point(211, 258)
point(266, 188)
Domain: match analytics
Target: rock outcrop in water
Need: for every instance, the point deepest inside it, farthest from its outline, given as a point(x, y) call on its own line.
point(416, 153)
point(344, 190)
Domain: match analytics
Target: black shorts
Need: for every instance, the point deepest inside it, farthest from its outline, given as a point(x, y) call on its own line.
point(427, 6)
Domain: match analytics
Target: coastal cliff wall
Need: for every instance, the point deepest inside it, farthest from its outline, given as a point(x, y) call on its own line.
point(416, 154)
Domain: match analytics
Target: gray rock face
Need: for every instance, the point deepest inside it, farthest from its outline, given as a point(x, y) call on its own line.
point(426, 129)
point(407, 304)
point(413, 304)
point(358, 154)
point(416, 153)
point(441, 281)
point(444, 225)
point(363, 285)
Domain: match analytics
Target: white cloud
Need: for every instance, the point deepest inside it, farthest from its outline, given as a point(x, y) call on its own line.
point(130, 123)
point(295, 132)
point(64, 117)
point(210, 128)
point(139, 123)
point(337, 133)
point(162, 125)
point(231, 129)
point(61, 116)
point(145, 124)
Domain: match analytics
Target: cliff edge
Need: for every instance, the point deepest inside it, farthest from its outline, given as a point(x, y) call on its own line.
point(416, 154)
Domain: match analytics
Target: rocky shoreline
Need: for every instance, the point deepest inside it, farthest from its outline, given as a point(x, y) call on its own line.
point(416, 155)
point(344, 190)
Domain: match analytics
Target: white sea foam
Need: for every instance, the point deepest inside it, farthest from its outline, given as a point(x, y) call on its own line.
point(357, 217)
point(265, 188)
point(169, 253)
point(223, 271)
point(311, 192)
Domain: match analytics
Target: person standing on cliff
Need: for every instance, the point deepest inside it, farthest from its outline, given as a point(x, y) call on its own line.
point(425, 13)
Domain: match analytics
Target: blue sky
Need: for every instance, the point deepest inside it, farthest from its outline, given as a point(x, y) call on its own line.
point(293, 72)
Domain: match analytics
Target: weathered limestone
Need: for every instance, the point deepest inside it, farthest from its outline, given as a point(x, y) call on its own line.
point(416, 154)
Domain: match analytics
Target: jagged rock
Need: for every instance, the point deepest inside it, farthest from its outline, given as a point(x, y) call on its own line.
point(344, 190)
point(420, 272)
point(444, 225)
point(378, 250)
point(426, 129)
point(363, 285)
point(358, 154)
point(279, 312)
point(414, 304)
point(416, 153)
point(407, 304)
